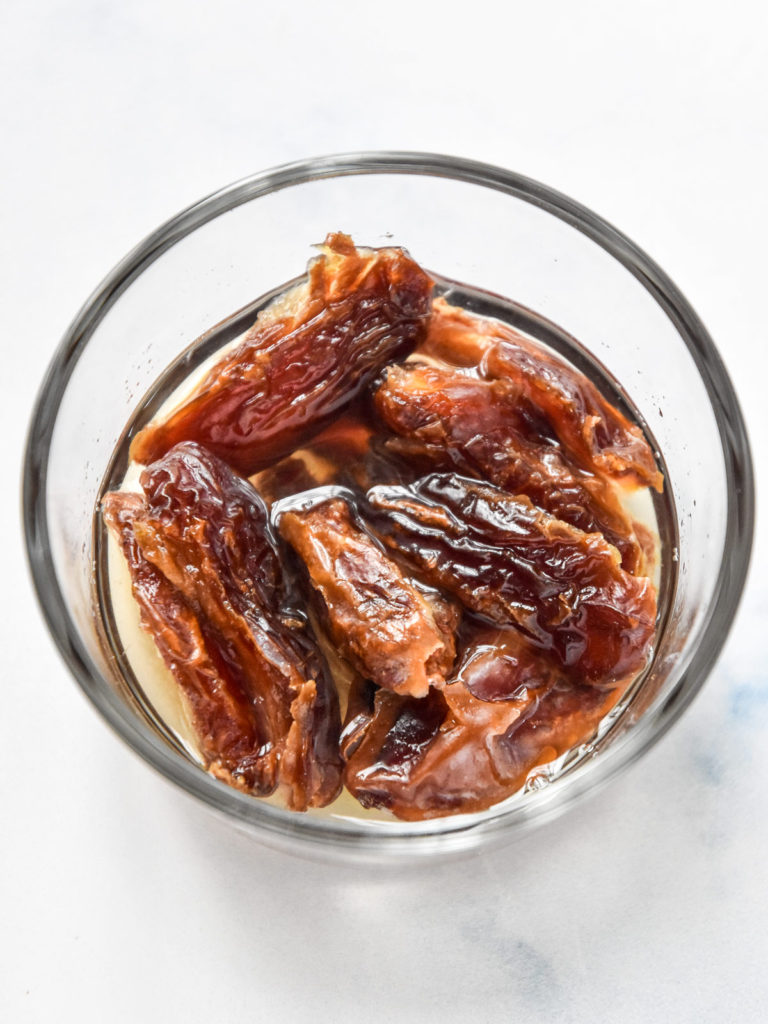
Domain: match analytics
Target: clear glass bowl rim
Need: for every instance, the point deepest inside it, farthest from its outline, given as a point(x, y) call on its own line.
point(440, 834)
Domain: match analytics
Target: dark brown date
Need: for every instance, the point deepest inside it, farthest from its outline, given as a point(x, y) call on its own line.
point(231, 739)
point(497, 664)
point(565, 717)
point(384, 739)
point(592, 431)
point(456, 753)
point(304, 359)
point(493, 486)
point(204, 532)
point(378, 619)
point(487, 428)
point(513, 564)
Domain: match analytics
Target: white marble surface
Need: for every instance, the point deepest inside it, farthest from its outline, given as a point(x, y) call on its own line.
point(122, 899)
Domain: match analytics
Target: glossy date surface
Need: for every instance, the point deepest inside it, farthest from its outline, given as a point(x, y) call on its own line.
point(303, 360)
point(488, 429)
point(232, 741)
point(591, 431)
point(435, 522)
point(204, 566)
point(378, 618)
point(456, 753)
point(513, 564)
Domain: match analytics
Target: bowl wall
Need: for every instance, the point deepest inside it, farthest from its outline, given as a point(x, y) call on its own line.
point(464, 221)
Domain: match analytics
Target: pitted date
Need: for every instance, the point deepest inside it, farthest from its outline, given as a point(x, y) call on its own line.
point(303, 360)
point(513, 564)
point(487, 428)
point(385, 736)
point(457, 752)
point(436, 533)
point(203, 533)
point(378, 619)
point(500, 663)
point(232, 741)
point(592, 431)
point(453, 751)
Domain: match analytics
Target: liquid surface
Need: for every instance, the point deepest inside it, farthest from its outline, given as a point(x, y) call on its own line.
point(348, 457)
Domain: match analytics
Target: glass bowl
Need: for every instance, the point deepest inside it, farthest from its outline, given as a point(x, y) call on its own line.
point(469, 222)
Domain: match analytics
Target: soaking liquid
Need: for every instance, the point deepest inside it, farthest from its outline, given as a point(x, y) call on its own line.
point(344, 456)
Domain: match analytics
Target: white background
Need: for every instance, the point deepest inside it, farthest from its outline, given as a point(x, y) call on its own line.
point(122, 899)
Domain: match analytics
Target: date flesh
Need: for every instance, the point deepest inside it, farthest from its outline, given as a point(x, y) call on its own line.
point(455, 753)
point(513, 564)
point(487, 428)
point(592, 431)
point(229, 734)
point(499, 663)
point(378, 619)
point(470, 570)
point(305, 358)
point(201, 557)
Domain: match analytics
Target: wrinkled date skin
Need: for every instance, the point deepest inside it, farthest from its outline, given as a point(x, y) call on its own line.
point(303, 360)
point(508, 561)
point(207, 578)
point(488, 428)
point(591, 431)
point(378, 619)
point(455, 753)
point(230, 736)
point(499, 663)
point(434, 498)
